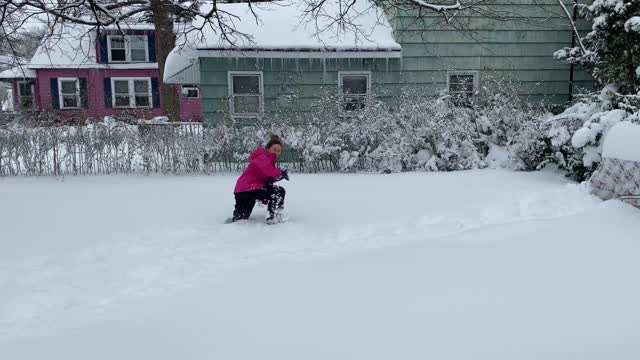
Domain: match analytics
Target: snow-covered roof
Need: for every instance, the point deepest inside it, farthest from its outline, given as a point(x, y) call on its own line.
point(285, 25)
point(74, 46)
point(18, 72)
point(286, 29)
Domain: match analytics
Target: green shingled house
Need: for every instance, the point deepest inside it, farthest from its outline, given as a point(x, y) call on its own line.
point(284, 63)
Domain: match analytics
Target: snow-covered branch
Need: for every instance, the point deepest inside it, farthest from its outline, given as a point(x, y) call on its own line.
point(573, 26)
point(437, 7)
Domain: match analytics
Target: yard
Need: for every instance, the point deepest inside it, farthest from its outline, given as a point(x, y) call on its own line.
point(465, 265)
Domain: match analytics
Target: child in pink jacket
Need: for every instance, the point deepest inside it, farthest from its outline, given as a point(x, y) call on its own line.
point(256, 183)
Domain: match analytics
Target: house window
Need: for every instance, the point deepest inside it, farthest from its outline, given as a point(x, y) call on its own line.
point(25, 91)
point(355, 88)
point(190, 91)
point(131, 92)
point(69, 92)
point(462, 84)
point(245, 94)
point(128, 48)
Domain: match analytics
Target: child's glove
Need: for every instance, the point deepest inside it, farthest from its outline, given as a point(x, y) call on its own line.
point(285, 175)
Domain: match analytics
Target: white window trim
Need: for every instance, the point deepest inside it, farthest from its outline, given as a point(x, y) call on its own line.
point(231, 94)
point(191, 87)
point(341, 75)
point(476, 77)
point(132, 93)
point(127, 48)
point(33, 95)
point(60, 94)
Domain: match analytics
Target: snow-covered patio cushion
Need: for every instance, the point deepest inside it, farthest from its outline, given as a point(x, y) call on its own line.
point(618, 176)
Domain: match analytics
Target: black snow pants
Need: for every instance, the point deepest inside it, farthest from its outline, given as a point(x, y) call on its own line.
point(246, 200)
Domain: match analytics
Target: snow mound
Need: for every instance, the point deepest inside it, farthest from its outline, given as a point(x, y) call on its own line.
point(622, 142)
point(633, 24)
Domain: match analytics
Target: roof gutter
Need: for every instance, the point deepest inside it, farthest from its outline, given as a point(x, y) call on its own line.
point(301, 53)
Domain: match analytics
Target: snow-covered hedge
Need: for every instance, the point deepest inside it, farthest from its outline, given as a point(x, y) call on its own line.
point(423, 134)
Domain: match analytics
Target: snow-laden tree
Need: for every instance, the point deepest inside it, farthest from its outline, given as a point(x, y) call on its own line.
point(611, 51)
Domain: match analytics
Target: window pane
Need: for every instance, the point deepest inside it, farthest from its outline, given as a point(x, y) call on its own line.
point(142, 101)
point(26, 102)
point(121, 86)
point(138, 55)
point(192, 93)
point(69, 101)
point(118, 55)
point(246, 84)
point(246, 104)
point(461, 84)
point(137, 42)
point(25, 89)
point(68, 87)
point(141, 86)
point(354, 84)
point(122, 100)
point(117, 43)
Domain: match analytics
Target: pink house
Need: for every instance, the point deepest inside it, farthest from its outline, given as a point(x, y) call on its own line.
point(81, 73)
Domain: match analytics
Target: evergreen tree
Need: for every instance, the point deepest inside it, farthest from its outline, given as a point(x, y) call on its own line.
point(613, 46)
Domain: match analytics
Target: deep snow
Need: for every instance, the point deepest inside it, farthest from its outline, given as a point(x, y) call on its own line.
point(480, 264)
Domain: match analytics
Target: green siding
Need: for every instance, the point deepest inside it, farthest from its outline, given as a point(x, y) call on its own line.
point(502, 39)
point(292, 87)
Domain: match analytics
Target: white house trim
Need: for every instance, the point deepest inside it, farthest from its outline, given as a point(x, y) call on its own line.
point(231, 94)
point(132, 93)
point(32, 96)
point(61, 95)
point(127, 48)
point(341, 75)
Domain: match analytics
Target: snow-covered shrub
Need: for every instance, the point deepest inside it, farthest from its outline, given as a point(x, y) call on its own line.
point(574, 137)
point(422, 133)
point(417, 133)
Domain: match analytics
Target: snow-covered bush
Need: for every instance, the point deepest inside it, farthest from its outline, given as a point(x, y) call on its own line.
point(422, 133)
point(574, 137)
point(418, 133)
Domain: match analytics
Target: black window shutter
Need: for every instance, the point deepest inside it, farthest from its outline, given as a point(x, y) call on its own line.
point(155, 92)
point(55, 95)
point(104, 50)
point(84, 93)
point(107, 93)
point(152, 46)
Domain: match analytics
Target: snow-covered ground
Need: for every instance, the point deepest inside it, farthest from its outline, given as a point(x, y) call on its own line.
point(467, 265)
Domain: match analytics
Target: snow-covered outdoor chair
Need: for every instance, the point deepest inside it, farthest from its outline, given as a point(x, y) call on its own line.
point(618, 176)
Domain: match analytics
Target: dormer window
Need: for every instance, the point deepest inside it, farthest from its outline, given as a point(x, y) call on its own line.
point(128, 48)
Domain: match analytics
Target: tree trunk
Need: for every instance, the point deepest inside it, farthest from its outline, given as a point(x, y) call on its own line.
point(165, 42)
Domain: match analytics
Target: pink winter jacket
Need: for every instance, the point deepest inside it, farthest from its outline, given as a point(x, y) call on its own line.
point(261, 168)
